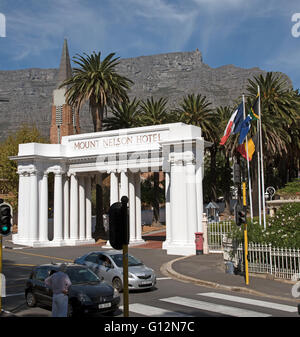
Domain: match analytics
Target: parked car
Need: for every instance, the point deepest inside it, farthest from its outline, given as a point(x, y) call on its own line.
point(109, 265)
point(88, 292)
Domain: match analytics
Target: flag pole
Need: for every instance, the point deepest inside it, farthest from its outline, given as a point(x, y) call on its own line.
point(258, 164)
point(248, 167)
point(262, 162)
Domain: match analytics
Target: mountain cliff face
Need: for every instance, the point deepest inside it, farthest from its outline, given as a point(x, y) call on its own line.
point(171, 75)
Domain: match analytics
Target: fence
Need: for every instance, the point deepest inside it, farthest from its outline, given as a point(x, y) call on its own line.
point(215, 234)
point(262, 258)
point(279, 262)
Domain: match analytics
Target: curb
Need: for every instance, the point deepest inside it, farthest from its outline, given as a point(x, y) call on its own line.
point(167, 270)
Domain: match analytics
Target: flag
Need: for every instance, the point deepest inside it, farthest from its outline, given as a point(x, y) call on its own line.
point(238, 119)
point(235, 118)
point(252, 145)
point(245, 127)
point(254, 112)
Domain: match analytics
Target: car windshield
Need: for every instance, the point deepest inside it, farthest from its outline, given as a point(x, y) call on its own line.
point(82, 275)
point(132, 261)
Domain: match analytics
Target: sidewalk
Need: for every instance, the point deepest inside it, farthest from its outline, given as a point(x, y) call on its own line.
point(209, 270)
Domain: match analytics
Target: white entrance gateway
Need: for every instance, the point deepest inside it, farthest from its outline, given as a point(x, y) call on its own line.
point(176, 149)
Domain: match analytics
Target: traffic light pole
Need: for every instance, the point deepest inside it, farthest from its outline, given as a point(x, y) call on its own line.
point(0, 274)
point(125, 281)
point(245, 236)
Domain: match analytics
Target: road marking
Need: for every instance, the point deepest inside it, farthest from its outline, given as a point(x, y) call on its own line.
point(218, 308)
point(148, 310)
point(17, 294)
point(20, 265)
point(44, 256)
point(258, 303)
point(163, 278)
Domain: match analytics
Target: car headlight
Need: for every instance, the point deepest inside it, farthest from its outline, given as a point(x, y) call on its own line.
point(130, 275)
point(116, 293)
point(83, 298)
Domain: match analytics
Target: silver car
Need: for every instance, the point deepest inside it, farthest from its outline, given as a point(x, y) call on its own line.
point(109, 265)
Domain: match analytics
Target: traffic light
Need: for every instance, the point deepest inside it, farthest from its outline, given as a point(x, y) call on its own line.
point(118, 224)
point(236, 175)
point(5, 218)
point(240, 215)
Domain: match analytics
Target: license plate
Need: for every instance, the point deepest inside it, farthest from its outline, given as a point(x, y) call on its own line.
point(144, 283)
point(104, 305)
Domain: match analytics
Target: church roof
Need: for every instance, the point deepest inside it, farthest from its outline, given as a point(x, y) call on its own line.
point(65, 69)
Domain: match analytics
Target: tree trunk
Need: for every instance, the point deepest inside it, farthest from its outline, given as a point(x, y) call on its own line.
point(97, 112)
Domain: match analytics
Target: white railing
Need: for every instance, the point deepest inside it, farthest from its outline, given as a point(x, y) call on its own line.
point(215, 234)
point(262, 258)
point(279, 262)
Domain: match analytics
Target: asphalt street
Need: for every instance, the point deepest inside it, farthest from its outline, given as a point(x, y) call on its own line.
point(170, 298)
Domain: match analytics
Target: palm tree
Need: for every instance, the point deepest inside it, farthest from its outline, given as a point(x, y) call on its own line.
point(196, 110)
point(124, 115)
point(98, 83)
point(155, 112)
point(279, 108)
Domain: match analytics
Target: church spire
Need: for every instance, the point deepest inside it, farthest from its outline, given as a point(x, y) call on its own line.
point(65, 70)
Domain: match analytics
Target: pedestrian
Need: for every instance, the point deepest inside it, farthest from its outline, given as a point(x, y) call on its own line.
point(59, 283)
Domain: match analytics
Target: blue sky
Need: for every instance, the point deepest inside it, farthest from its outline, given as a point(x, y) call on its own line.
point(246, 33)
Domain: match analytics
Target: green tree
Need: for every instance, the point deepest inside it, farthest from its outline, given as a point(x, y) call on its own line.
point(98, 83)
point(155, 112)
point(196, 110)
point(279, 111)
point(9, 179)
point(124, 115)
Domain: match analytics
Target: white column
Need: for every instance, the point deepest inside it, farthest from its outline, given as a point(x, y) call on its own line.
point(43, 225)
point(132, 229)
point(199, 178)
point(124, 185)
point(81, 208)
point(21, 206)
point(178, 203)
point(58, 208)
point(167, 209)
point(74, 208)
point(191, 200)
point(34, 203)
point(66, 208)
point(114, 188)
point(26, 210)
point(138, 208)
point(88, 207)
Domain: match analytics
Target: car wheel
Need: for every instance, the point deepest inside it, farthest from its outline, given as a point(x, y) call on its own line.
point(117, 284)
point(31, 299)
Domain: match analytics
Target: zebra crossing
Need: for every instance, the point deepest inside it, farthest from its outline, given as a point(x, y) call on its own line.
point(203, 302)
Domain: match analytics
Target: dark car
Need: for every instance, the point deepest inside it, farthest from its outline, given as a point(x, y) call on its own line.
point(88, 293)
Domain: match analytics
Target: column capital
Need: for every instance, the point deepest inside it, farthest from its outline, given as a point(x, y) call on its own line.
point(69, 174)
point(182, 158)
point(57, 170)
point(176, 159)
